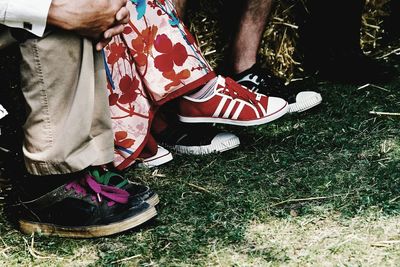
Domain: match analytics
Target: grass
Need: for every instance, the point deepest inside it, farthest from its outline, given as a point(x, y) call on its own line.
point(320, 188)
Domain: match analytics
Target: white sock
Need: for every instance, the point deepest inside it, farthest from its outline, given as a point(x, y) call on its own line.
point(206, 91)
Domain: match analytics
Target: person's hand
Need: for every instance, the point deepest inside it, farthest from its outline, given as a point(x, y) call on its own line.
point(98, 20)
point(122, 18)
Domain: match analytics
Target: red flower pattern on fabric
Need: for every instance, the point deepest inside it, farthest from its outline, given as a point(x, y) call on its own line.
point(154, 57)
point(176, 78)
point(122, 140)
point(113, 99)
point(143, 44)
point(117, 51)
point(170, 54)
point(128, 87)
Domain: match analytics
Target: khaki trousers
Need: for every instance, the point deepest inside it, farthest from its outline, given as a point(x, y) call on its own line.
point(68, 126)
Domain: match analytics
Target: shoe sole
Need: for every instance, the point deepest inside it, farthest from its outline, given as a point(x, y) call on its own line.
point(301, 106)
point(208, 149)
point(269, 118)
point(153, 201)
point(156, 162)
point(44, 229)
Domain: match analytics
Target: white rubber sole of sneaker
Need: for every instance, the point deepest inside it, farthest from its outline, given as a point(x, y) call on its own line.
point(220, 143)
point(305, 104)
point(163, 156)
point(255, 122)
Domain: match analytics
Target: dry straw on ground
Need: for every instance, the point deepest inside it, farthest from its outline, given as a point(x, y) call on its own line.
point(278, 48)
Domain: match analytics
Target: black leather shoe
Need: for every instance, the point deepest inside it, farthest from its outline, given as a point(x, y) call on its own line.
point(82, 208)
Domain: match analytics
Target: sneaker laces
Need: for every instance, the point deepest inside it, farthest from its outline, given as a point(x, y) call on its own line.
point(236, 90)
point(105, 178)
point(112, 193)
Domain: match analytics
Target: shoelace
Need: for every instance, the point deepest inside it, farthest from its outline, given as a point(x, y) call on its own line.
point(112, 193)
point(235, 90)
point(106, 177)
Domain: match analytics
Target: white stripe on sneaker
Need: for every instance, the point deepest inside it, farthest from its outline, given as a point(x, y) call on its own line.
point(229, 109)
point(220, 106)
point(262, 109)
point(238, 110)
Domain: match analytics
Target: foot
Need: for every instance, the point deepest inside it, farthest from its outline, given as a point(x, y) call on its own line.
point(161, 157)
point(197, 139)
point(82, 208)
point(261, 80)
point(222, 100)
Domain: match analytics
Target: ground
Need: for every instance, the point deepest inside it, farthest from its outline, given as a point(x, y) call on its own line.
point(321, 188)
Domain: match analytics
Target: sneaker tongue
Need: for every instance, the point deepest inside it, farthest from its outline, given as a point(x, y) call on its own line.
point(220, 81)
point(206, 90)
point(216, 80)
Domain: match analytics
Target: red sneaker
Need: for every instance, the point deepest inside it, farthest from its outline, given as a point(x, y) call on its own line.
point(223, 100)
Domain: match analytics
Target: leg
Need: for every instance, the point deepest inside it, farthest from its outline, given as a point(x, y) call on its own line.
point(165, 63)
point(151, 64)
point(68, 129)
point(180, 6)
point(244, 55)
point(251, 27)
point(59, 137)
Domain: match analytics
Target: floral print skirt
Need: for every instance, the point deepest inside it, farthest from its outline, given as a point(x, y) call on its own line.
point(154, 61)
